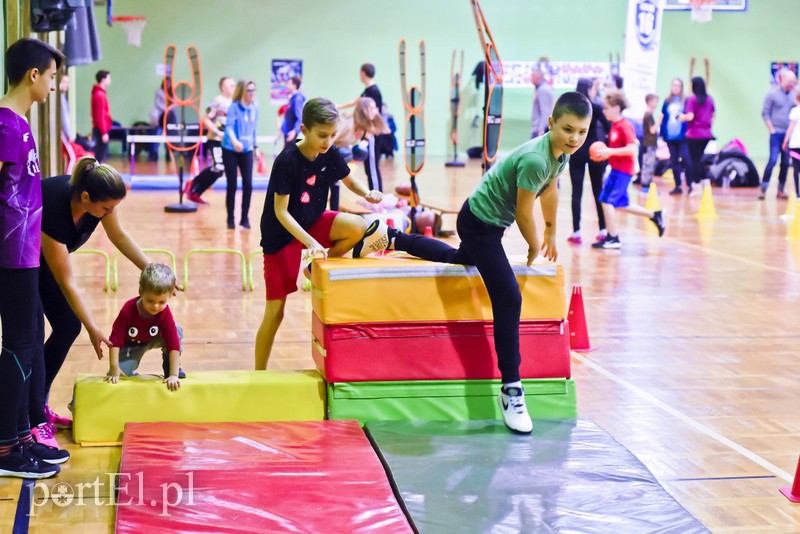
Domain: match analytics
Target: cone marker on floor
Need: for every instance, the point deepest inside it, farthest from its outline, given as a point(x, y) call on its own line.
point(652, 203)
point(707, 209)
point(793, 493)
point(794, 229)
point(791, 208)
point(578, 333)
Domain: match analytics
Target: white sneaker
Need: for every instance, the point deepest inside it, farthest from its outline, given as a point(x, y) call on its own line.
point(512, 406)
point(376, 239)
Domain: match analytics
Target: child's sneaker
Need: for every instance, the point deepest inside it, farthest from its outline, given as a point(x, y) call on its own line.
point(658, 220)
point(20, 463)
point(58, 421)
point(601, 236)
point(575, 239)
point(44, 434)
point(610, 242)
point(50, 455)
point(376, 239)
point(515, 415)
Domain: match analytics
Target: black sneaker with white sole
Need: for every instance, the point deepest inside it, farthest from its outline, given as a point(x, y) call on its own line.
point(51, 455)
point(21, 464)
point(610, 242)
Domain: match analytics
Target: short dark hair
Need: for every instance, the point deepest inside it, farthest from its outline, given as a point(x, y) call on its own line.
point(296, 80)
point(27, 54)
point(101, 75)
point(368, 69)
point(572, 103)
point(319, 111)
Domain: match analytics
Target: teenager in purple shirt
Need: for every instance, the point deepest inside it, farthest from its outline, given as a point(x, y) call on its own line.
point(31, 66)
point(698, 113)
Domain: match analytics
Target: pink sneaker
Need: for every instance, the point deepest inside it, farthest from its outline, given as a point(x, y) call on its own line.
point(600, 237)
point(196, 199)
point(57, 421)
point(42, 434)
point(574, 239)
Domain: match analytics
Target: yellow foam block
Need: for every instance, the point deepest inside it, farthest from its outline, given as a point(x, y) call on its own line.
point(398, 288)
point(102, 409)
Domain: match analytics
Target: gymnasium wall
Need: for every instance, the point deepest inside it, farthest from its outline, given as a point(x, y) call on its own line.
point(241, 37)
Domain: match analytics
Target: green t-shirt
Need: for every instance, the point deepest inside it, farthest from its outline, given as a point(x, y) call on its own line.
point(531, 167)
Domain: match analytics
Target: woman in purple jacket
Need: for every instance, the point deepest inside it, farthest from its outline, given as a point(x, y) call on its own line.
point(699, 115)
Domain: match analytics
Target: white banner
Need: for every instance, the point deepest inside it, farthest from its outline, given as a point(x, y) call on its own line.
point(559, 74)
point(642, 41)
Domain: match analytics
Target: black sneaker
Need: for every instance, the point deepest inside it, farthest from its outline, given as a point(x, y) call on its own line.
point(165, 368)
point(21, 464)
point(677, 191)
point(231, 224)
point(658, 220)
point(610, 242)
point(51, 455)
point(245, 223)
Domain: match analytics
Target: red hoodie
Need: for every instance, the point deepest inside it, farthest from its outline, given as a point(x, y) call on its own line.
point(101, 114)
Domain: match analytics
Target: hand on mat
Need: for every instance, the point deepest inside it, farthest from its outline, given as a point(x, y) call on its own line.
point(374, 197)
point(549, 249)
point(172, 383)
point(113, 375)
point(96, 337)
point(314, 250)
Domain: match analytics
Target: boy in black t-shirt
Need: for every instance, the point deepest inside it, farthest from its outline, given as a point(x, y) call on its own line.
point(294, 215)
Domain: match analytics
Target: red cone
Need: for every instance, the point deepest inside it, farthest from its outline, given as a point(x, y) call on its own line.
point(793, 493)
point(578, 333)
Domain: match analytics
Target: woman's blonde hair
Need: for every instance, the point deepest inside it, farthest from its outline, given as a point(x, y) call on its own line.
point(101, 181)
point(361, 120)
point(241, 86)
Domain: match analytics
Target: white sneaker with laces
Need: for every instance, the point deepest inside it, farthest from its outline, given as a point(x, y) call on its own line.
point(515, 415)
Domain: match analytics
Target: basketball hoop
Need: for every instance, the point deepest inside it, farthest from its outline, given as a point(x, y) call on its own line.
point(133, 27)
point(701, 10)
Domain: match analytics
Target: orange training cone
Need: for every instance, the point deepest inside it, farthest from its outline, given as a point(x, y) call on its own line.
point(793, 493)
point(578, 333)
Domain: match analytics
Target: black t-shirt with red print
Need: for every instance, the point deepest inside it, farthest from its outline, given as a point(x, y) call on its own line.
point(307, 183)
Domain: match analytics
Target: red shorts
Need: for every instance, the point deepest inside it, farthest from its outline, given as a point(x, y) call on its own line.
point(281, 268)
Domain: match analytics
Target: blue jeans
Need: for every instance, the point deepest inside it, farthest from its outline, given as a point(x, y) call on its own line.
point(775, 142)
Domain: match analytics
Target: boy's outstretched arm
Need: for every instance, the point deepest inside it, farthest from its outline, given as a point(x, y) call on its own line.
point(527, 225)
point(549, 200)
point(114, 371)
point(358, 187)
point(294, 228)
point(172, 381)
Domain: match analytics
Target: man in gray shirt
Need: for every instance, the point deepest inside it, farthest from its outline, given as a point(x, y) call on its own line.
point(542, 103)
point(775, 112)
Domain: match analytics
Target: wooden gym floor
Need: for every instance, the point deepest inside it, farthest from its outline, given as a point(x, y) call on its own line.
point(696, 334)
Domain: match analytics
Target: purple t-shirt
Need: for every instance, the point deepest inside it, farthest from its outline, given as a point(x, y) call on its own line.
point(20, 194)
point(700, 126)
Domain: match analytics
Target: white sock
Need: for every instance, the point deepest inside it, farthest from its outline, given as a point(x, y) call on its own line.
point(576, 234)
point(603, 232)
point(517, 384)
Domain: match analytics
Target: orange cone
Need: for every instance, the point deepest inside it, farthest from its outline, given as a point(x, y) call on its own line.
point(578, 333)
point(793, 493)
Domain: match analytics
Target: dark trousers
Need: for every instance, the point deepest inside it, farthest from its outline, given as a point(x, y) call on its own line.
point(678, 158)
point(21, 316)
point(47, 363)
point(372, 168)
point(775, 150)
point(242, 161)
point(577, 171)
point(100, 148)
point(210, 174)
point(481, 246)
point(796, 168)
point(696, 149)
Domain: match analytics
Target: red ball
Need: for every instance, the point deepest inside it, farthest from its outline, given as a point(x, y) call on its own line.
point(594, 148)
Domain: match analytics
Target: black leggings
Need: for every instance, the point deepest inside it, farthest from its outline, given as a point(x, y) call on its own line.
point(371, 167)
point(481, 246)
point(697, 148)
point(65, 330)
point(21, 316)
point(209, 175)
point(577, 172)
point(242, 161)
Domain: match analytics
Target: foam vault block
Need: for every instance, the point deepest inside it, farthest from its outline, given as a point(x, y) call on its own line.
point(313, 476)
point(568, 476)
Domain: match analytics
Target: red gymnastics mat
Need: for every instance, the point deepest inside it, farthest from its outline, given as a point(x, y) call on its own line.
point(314, 476)
point(434, 350)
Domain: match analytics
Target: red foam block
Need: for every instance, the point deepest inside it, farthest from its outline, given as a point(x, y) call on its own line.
point(446, 350)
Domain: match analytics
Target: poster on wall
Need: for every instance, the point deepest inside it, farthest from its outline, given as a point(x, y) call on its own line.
point(282, 71)
point(559, 74)
point(775, 66)
point(642, 43)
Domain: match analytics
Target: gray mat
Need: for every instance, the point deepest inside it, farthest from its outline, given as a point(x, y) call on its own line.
point(569, 476)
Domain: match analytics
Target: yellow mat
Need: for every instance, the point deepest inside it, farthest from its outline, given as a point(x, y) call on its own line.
point(401, 289)
point(102, 409)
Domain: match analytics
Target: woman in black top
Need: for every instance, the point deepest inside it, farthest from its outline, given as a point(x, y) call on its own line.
point(598, 130)
point(72, 207)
